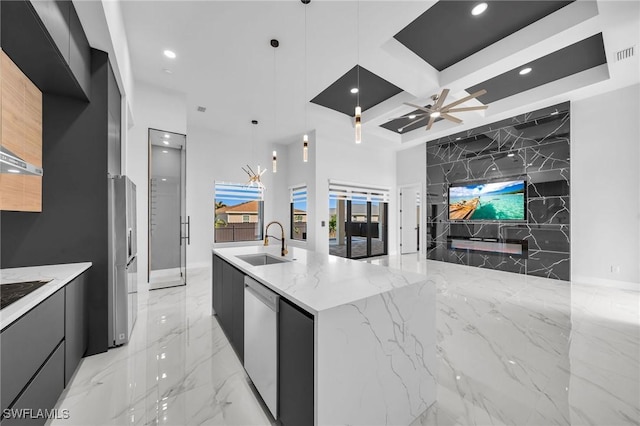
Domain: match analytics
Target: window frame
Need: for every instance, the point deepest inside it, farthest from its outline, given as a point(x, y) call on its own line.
point(234, 191)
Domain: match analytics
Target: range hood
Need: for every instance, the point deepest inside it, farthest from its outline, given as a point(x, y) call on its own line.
point(12, 164)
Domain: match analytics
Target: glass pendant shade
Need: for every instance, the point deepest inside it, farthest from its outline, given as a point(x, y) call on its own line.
point(358, 124)
point(305, 148)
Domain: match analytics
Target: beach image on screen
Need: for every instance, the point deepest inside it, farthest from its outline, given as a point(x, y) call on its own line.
point(488, 201)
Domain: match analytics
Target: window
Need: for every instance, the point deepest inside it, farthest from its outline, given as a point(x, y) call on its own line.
point(238, 212)
point(298, 212)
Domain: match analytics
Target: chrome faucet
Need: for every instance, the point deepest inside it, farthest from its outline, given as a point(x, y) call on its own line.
point(284, 250)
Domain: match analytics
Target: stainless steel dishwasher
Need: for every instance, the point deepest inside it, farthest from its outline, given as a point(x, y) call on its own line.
point(261, 340)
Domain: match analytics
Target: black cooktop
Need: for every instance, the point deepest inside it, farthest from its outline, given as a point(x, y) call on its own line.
point(9, 293)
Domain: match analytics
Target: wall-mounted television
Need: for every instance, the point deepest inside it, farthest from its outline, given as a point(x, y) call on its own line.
point(488, 201)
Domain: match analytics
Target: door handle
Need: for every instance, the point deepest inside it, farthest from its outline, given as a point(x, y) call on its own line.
point(188, 223)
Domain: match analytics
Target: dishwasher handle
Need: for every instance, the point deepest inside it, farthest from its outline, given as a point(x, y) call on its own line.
point(262, 293)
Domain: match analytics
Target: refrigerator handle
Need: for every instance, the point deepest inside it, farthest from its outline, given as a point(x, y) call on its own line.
point(129, 243)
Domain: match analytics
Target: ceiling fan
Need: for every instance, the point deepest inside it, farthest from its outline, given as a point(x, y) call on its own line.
point(437, 110)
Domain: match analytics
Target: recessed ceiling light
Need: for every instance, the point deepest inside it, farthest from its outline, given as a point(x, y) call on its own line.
point(458, 138)
point(511, 154)
point(167, 136)
point(556, 112)
point(525, 71)
point(354, 90)
point(165, 142)
point(435, 114)
point(493, 168)
point(411, 117)
point(170, 54)
point(164, 179)
point(479, 9)
point(400, 129)
point(164, 151)
point(13, 171)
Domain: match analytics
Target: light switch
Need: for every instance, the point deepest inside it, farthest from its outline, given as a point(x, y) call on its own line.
point(322, 223)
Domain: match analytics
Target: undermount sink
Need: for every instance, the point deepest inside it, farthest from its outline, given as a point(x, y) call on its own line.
point(262, 259)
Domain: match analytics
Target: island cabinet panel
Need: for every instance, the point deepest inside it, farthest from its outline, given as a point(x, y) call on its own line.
point(295, 375)
point(237, 334)
point(216, 279)
point(226, 310)
point(228, 302)
point(27, 343)
point(42, 393)
point(75, 325)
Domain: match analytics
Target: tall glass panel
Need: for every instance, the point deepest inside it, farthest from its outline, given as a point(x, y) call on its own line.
point(378, 228)
point(358, 228)
point(169, 225)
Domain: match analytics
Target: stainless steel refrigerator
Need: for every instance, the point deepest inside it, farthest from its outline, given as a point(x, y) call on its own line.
point(123, 261)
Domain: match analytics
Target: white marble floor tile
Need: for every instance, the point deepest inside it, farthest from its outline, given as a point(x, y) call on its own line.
point(512, 350)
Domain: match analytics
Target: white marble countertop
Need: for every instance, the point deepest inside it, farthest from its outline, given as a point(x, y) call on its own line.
point(317, 281)
point(60, 275)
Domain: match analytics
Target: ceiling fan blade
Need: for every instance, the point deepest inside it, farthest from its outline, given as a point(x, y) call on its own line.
point(417, 107)
point(431, 120)
point(450, 118)
point(475, 108)
point(412, 123)
point(441, 98)
point(465, 99)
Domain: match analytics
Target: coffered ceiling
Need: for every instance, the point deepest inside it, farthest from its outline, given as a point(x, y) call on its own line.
point(407, 51)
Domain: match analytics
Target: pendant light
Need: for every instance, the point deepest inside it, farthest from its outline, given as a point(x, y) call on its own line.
point(274, 162)
point(358, 112)
point(254, 177)
point(305, 138)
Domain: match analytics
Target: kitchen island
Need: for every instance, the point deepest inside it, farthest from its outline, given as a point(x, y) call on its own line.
point(373, 343)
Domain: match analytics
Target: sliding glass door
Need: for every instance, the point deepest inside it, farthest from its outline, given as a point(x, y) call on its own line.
point(357, 228)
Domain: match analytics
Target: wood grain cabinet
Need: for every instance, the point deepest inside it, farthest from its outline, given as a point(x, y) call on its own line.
point(21, 136)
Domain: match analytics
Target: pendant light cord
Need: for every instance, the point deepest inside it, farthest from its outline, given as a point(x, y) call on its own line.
point(306, 65)
point(358, 50)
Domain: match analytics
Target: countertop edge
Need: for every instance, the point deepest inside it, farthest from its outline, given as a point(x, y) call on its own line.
point(19, 308)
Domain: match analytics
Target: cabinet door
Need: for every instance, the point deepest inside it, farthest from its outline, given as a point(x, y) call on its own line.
point(216, 289)
point(75, 328)
point(54, 14)
point(226, 315)
point(295, 371)
point(27, 343)
point(238, 313)
point(43, 392)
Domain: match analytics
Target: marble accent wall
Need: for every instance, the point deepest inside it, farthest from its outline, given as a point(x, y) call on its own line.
point(539, 142)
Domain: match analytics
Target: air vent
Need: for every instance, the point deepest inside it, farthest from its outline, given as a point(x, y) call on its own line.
point(625, 53)
point(202, 109)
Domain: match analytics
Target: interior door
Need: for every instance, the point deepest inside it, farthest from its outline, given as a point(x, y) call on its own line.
point(409, 219)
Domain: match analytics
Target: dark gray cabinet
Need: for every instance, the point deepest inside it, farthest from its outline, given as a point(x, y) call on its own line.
point(41, 350)
point(295, 345)
point(27, 343)
point(295, 366)
point(43, 391)
point(225, 314)
point(237, 331)
point(46, 40)
point(216, 291)
point(228, 302)
point(75, 325)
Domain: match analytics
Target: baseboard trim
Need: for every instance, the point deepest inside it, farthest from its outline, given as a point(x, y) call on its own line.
point(603, 282)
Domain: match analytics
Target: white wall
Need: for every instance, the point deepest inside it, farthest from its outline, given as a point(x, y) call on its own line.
point(605, 201)
point(158, 109)
point(214, 157)
point(339, 158)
